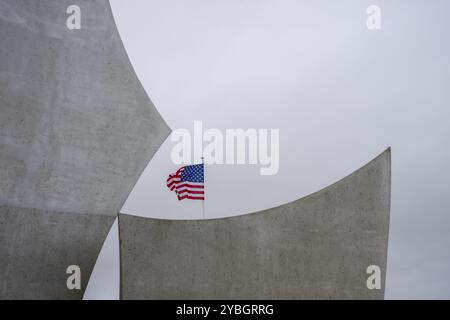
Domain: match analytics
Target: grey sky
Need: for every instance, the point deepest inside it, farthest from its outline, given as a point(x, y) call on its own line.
point(339, 93)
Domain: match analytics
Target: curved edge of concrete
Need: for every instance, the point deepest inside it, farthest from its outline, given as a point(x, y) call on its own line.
point(385, 154)
point(38, 246)
point(78, 130)
point(317, 247)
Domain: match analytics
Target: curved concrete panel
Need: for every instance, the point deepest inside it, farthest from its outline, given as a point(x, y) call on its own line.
point(37, 247)
point(318, 247)
point(77, 130)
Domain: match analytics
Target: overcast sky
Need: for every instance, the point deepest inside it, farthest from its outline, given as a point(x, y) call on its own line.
point(339, 93)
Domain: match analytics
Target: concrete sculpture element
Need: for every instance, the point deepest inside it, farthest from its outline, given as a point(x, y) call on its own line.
point(41, 245)
point(318, 247)
point(77, 130)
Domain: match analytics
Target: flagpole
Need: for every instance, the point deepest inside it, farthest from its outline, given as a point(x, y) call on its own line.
point(204, 184)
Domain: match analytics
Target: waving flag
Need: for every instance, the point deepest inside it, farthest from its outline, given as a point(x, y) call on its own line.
point(188, 182)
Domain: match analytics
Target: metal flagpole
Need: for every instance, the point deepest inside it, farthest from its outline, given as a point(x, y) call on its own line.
point(204, 188)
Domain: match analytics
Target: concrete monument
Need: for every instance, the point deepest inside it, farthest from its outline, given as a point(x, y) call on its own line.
point(328, 245)
point(77, 130)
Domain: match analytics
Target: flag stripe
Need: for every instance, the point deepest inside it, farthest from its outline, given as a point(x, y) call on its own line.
point(190, 197)
point(190, 191)
point(190, 186)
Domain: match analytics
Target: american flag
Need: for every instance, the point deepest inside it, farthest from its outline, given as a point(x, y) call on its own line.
point(188, 182)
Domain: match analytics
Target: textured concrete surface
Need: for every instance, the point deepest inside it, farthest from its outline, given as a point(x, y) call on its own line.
point(77, 128)
point(76, 131)
point(317, 247)
point(37, 247)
